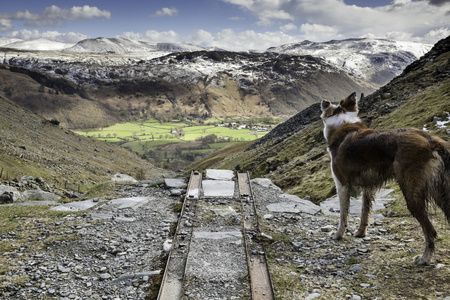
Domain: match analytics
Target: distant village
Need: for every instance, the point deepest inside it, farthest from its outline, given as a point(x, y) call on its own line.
point(234, 125)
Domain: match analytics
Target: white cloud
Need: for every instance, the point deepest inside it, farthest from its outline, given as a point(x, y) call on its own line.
point(317, 32)
point(288, 27)
point(166, 12)
point(267, 11)
point(152, 36)
point(237, 19)
point(401, 19)
point(56, 16)
point(70, 37)
point(249, 40)
point(226, 39)
point(201, 37)
point(5, 25)
point(435, 35)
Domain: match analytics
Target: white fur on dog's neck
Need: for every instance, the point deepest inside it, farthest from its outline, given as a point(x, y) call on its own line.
point(338, 120)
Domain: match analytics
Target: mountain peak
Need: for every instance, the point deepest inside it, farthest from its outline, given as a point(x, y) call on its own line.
point(374, 60)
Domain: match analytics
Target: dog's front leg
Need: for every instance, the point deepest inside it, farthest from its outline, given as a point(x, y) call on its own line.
point(367, 199)
point(344, 202)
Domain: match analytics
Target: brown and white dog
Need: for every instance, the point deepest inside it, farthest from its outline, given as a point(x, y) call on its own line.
point(365, 158)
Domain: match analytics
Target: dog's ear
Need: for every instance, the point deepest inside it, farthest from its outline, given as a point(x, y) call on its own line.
point(350, 103)
point(324, 105)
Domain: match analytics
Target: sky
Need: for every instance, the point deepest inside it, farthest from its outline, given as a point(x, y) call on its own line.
point(237, 25)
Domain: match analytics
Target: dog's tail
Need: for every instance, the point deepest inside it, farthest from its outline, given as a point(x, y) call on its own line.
point(442, 181)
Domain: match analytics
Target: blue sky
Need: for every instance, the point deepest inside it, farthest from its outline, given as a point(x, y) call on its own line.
point(230, 24)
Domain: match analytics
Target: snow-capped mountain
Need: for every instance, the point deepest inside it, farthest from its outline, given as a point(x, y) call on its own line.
point(374, 60)
point(5, 41)
point(110, 45)
point(38, 45)
point(124, 46)
point(182, 79)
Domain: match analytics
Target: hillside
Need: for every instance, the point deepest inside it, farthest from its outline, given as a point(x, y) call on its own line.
point(123, 80)
point(189, 84)
point(31, 145)
point(299, 162)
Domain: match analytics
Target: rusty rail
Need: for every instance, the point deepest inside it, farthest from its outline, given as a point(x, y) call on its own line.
point(260, 279)
point(172, 283)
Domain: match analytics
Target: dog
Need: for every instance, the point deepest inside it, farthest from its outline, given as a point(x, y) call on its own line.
point(365, 159)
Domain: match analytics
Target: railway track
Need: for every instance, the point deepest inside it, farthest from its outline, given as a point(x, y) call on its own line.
point(215, 252)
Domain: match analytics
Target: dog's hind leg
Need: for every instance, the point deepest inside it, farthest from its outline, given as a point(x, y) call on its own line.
point(367, 199)
point(417, 205)
point(344, 202)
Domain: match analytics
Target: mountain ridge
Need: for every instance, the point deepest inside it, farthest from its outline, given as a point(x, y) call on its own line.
point(375, 60)
point(130, 84)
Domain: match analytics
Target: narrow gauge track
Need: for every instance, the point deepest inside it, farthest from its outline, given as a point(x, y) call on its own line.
point(261, 281)
point(215, 253)
point(172, 282)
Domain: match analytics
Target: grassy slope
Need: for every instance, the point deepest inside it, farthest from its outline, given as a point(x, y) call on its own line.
point(29, 145)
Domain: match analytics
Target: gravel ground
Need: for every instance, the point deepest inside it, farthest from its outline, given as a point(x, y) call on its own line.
point(114, 258)
point(121, 256)
point(306, 263)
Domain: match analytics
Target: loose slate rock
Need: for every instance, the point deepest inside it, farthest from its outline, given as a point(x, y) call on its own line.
point(294, 205)
point(123, 178)
point(40, 195)
point(76, 206)
point(265, 182)
point(175, 183)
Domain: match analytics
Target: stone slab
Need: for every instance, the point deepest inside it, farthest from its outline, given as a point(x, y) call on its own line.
point(123, 178)
point(29, 203)
point(175, 183)
point(265, 182)
point(218, 188)
point(40, 195)
point(216, 174)
point(76, 205)
point(217, 235)
point(131, 202)
point(331, 205)
point(294, 204)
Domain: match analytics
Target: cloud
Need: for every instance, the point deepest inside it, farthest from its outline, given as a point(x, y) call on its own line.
point(5, 25)
point(435, 35)
point(288, 27)
point(411, 20)
point(237, 19)
point(438, 2)
point(166, 12)
point(248, 40)
point(201, 37)
point(267, 11)
point(69, 37)
point(152, 36)
point(225, 39)
point(316, 32)
point(56, 16)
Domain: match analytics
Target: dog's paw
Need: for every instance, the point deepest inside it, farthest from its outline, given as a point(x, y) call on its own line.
point(360, 233)
point(420, 261)
point(336, 236)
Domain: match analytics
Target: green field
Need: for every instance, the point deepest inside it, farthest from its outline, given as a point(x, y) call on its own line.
point(179, 141)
